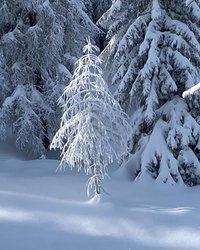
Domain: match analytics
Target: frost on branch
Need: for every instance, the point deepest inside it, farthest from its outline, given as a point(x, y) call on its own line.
point(94, 130)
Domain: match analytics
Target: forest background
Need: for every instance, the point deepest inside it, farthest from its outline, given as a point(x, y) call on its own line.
point(151, 54)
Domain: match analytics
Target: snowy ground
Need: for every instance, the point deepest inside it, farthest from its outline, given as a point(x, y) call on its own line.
point(44, 210)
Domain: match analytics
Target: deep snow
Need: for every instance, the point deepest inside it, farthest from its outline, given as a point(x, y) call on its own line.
point(44, 210)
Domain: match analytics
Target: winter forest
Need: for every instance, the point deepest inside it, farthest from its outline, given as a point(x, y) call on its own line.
point(100, 124)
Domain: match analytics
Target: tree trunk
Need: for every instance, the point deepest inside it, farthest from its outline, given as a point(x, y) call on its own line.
point(97, 186)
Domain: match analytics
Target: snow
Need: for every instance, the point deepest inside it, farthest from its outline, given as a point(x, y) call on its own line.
point(156, 10)
point(191, 90)
point(41, 209)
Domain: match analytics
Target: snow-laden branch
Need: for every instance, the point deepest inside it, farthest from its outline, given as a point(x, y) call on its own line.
point(188, 2)
point(191, 90)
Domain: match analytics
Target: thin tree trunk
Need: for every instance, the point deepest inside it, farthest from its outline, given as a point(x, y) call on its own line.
point(97, 186)
point(97, 180)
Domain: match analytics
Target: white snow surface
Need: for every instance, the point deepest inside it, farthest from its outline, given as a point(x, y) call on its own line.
point(44, 210)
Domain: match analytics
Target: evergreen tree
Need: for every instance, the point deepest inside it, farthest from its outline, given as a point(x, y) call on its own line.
point(94, 129)
point(28, 126)
point(39, 43)
point(154, 55)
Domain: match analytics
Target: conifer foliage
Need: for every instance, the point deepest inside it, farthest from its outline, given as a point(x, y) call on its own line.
point(39, 42)
point(153, 52)
point(94, 130)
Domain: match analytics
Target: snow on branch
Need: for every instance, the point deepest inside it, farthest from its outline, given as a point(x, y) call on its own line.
point(188, 2)
point(191, 90)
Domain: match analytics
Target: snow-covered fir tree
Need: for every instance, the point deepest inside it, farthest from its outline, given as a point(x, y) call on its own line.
point(153, 56)
point(39, 43)
point(94, 130)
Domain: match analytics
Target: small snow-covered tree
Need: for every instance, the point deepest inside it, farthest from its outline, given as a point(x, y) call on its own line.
point(94, 130)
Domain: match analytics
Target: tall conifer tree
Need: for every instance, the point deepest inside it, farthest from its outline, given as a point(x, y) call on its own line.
point(39, 42)
point(154, 54)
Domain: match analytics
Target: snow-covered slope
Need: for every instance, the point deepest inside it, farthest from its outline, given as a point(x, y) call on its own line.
point(44, 210)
